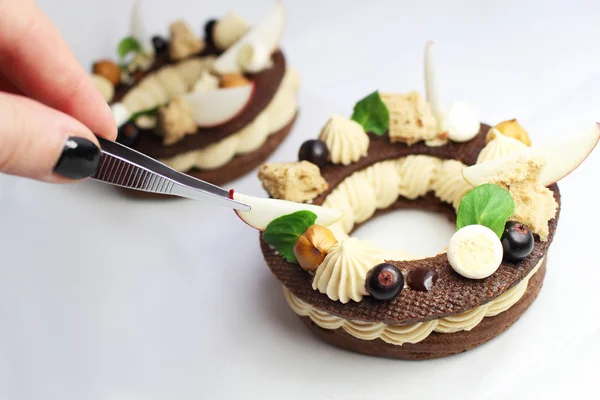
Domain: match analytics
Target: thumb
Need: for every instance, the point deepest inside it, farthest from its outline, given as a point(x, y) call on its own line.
point(41, 143)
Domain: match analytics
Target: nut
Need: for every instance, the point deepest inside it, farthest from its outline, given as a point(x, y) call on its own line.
point(104, 86)
point(513, 129)
point(233, 80)
point(108, 69)
point(184, 42)
point(312, 247)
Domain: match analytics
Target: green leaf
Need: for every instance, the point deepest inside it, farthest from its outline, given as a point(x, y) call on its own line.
point(150, 112)
point(128, 45)
point(372, 113)
point(488, 205)
point(283, 232)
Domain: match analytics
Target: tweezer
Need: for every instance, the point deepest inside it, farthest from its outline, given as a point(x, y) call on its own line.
point(121, 166)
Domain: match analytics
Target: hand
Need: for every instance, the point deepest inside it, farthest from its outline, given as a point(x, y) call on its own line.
point(49, 106)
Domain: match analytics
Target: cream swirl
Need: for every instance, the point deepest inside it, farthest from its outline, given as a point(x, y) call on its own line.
point(346, 140)
point(499, 146)
point(157, 88)
point(385, 181)
point(379, 185)
point(449, 184)
point(416, 174)
point(417, 332)
point(280, 111)
point(341, 275)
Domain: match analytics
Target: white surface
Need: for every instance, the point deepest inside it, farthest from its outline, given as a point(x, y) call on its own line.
point(105, 298)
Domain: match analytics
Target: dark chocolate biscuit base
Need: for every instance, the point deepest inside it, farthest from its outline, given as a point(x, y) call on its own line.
point(236, 168)
point(436, 345)
point(452, 294)
point(266, 84)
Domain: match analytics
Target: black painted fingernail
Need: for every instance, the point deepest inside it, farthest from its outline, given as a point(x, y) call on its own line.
point(79, 159)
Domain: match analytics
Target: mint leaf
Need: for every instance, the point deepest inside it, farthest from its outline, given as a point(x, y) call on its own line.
point(283, 232)
point(488, 205)
point(372, 113)
point(150, 112)
point(128, 45)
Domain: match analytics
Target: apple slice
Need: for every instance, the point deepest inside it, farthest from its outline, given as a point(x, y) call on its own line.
point(265, 210)
point(138, 29)
point(562, 156)
point(215, 107)
point(432, 90)
point(267, 33)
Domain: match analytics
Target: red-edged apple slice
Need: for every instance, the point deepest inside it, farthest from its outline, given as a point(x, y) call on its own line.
point(267, 33)
point(432, 90)
point(562, 156)
point(215, 107)
point(264, 210)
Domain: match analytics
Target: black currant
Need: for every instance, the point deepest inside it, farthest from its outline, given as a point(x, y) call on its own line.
point(314, 151)
point(517, 241)
point(384, 281)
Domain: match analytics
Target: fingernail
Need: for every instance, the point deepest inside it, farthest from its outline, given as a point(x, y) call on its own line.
point(79, 159)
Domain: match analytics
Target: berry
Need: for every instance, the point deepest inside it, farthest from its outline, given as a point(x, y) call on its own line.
point(160, 44)
point(314, 151)
point(517, 241)
point(384, 281)
point(208, 31)
point(421, 279)
point(128, 134)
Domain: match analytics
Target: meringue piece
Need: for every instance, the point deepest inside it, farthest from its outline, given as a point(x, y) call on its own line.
point(206, 82)
point(499, 146)
point(341, 275)
point(104, 86)
point(346, 140)
point(521, 177)
point(254, 57)
point(120, 113)
point(460, 122)
point(432, 90)
point(411, 118)
point(475, 252)
point(138, 29)
point(229, 30)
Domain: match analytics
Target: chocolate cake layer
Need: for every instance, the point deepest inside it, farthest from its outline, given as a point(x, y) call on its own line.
point(437, 344)
point(239, 166)
point(266, 84)
point(381, 149)
point(452, 294)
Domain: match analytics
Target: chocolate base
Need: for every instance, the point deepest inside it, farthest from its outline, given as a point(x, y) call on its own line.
point(452, 294)
point(236, 168)
point(436, 345)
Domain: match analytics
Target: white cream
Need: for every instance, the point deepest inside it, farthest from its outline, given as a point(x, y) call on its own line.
point(417, 332)
point(280, 112)
point(449, 184)
point(499, 146)
point(341, 275)
point(346, 140)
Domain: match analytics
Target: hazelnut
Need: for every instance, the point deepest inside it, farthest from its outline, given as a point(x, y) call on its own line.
point(233, 80)
point(513, 129)
point(312, 247)
point(108, 69)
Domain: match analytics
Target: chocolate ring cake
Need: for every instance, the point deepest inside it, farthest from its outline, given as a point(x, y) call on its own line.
point(404, 151)
point(213, 107)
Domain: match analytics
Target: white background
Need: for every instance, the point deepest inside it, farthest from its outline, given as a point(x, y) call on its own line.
point(106, 298)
